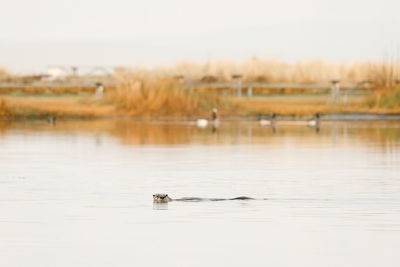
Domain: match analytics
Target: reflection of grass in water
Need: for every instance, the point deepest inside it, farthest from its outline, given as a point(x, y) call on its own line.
point(385, 138)
point(384, 135)
point(387, 135)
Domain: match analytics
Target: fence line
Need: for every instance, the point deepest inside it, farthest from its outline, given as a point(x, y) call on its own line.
point(236, 85)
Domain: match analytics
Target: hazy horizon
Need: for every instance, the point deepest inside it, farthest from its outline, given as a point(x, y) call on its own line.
point(44, 33)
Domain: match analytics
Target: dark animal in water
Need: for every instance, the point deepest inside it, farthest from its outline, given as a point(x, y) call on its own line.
point(164, 198)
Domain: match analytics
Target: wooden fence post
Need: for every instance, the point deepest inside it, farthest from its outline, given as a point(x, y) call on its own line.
point(345, 97)
point(249, 91)
point(335, 89)
point(237, 78)
point(99, 90)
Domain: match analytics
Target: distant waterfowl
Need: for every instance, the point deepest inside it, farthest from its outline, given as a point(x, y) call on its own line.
point(214, 115)
point(267, 122)
point(314, 122)
point(202, 123)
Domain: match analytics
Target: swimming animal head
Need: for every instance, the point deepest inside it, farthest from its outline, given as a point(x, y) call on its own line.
point(161, 198)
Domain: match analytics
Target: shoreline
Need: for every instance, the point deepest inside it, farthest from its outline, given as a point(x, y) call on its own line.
point(348, 116)
point(286, 108)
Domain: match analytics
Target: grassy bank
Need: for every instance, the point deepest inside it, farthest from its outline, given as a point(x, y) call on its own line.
point(384, 99)
point(169, 102)
point(157, 94)
point(164, 97)
point(62, 107)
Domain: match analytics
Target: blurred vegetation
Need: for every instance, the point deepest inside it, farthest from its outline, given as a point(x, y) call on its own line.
point(386, 98)
point(4, 75)
point(160, 92)
point(386, 91)
point(275, 71)
point(5, 110)
point(164, 97)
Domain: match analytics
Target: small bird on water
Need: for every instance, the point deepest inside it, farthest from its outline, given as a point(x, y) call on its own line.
point(267, 122)
point(314, 122)
point(202, 123)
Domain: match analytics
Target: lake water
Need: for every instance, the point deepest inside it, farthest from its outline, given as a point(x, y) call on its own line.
point(80, 194)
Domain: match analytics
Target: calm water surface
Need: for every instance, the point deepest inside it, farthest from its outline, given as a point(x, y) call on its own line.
point(80, 194)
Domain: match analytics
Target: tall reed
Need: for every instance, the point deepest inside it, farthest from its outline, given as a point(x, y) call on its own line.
point(5, 111)
point(275, 71)
point(162, 97)
point(388, 98)
point(4, 74)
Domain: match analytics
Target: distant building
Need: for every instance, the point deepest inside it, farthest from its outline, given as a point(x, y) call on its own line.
point(55, 73)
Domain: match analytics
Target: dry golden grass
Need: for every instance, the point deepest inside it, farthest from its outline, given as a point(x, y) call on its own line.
point(155, 93)
point(54, 90)
point(140, 98)
point(163, 97)
point(383, 73)
point(307, 106)
point(4, 74)
point(385, 98)
point(163, 106)
point(379, 73)
point(79, 107)
point(5, 110)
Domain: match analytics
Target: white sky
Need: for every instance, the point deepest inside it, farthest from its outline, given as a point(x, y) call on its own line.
point(35, 34)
